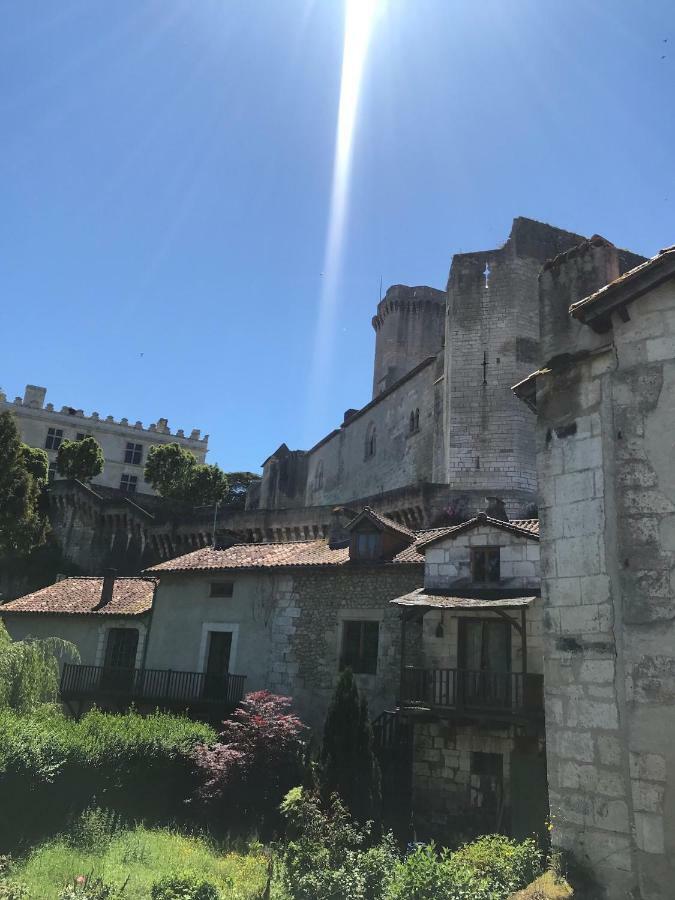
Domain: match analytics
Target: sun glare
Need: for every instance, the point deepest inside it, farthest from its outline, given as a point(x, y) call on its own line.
point(360, 17)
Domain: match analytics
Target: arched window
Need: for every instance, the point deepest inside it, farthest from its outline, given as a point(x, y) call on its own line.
point(417, 420)
point(414, 421)
point(371, 441)
point(318, 476)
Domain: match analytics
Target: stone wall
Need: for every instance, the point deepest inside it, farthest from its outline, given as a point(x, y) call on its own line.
point(491, 342)
point(605, 439)
point(409, 327)
point(306, 634)
point(448, 561)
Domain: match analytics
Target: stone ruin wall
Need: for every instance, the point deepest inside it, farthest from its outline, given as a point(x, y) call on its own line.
point(605, 441)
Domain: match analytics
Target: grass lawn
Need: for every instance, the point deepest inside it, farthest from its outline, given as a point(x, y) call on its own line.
point(143, 855)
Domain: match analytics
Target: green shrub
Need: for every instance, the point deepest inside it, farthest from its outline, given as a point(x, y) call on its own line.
point(490, 868)
point(327, 857)
point(86, 887)
point(52, 768)
point(186, 886)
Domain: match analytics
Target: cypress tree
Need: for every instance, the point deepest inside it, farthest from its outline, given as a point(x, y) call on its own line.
point(348, 765)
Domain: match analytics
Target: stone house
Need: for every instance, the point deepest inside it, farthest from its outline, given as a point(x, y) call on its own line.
point(125, 445)
point(441, 628)
point(471, 693)
point(604, 397)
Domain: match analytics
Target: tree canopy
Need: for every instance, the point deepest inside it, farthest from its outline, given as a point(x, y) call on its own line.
point(239, 483)
point(29, 670)
point(81, 459)
point(23, 474)
point(176, 475)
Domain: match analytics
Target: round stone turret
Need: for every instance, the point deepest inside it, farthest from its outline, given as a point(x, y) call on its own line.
point(409, 327)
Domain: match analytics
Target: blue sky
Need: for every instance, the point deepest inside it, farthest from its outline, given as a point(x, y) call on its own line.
point(166, 171)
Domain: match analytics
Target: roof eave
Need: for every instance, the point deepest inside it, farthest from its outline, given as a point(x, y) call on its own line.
point(596, 310)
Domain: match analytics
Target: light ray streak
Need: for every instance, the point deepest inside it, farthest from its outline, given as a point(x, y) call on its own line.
point(359, 20)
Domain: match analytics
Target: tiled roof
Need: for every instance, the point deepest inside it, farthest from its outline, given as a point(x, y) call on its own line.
point(528, 528)
point(81, 596)
point(626, 287)
point(295, 554)
point(442, 601)
point(383, 521)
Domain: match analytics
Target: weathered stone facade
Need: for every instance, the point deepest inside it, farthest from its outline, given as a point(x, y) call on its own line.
point(36, 420)
point(442, 412)
point(605, 437)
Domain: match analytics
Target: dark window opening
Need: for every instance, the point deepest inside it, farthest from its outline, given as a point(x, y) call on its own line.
point(360, 640)
point(120, 660)
point(485, 564)
point(487, 764)
point(368, 545)
point(371, 442)
point(128, 483)
point(133, 454)
point(414, 421)
point(81, 435)
point(54, 438)
point(222, 589)
point(51, 472)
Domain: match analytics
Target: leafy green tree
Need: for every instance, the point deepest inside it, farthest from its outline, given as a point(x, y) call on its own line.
point(23, 474)
point(175, 474)
point(348, 765)
point(238, 485)
point(80, 459)
point(29, 670)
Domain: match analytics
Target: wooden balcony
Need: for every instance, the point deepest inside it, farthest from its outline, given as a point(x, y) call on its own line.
point(159, 687)
point(473, 694)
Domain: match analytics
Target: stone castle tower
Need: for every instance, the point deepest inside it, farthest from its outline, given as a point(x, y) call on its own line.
point(409, 326)
point(443, 431)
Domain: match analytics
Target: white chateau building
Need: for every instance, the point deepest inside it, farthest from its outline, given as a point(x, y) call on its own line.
point(125, 445)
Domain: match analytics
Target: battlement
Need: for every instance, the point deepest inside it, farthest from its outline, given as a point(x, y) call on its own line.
point(34, 397)
point(401, 297)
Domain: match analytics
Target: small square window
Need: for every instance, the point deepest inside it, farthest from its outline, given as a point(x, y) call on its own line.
point(133, 454)
point(487, 764)
point(221, 589)
point(360, 641)
point(54, 438)
point(485, 565)
point(128, 483)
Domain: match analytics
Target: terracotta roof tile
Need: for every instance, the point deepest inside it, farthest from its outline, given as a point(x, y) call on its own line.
point(274, 556)
point(80, 596)
point(383, 521)
point(526, 527)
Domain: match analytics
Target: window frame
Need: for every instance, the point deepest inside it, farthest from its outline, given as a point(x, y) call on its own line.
point(483, 553)
point(54, 438)
point(360, 662)
point(131, 482)
point(133, 454)
point(374, 545)
point(371, 441)
point(221, 584)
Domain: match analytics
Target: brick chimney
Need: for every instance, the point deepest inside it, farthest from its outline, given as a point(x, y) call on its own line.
point(338, 536)
point(107, 588)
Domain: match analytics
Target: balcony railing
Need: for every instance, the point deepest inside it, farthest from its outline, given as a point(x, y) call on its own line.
point(161, 686)
point(467, 691)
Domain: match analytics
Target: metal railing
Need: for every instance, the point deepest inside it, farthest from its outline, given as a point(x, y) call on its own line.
point(80, 682)
point(463, 689)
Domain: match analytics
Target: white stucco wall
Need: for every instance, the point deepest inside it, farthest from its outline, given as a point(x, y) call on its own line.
point(183, 613)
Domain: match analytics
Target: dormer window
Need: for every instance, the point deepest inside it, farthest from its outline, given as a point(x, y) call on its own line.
point(485, 565)
point(367, 545)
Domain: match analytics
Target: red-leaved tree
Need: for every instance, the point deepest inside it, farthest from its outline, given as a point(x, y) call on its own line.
point(259, 757)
